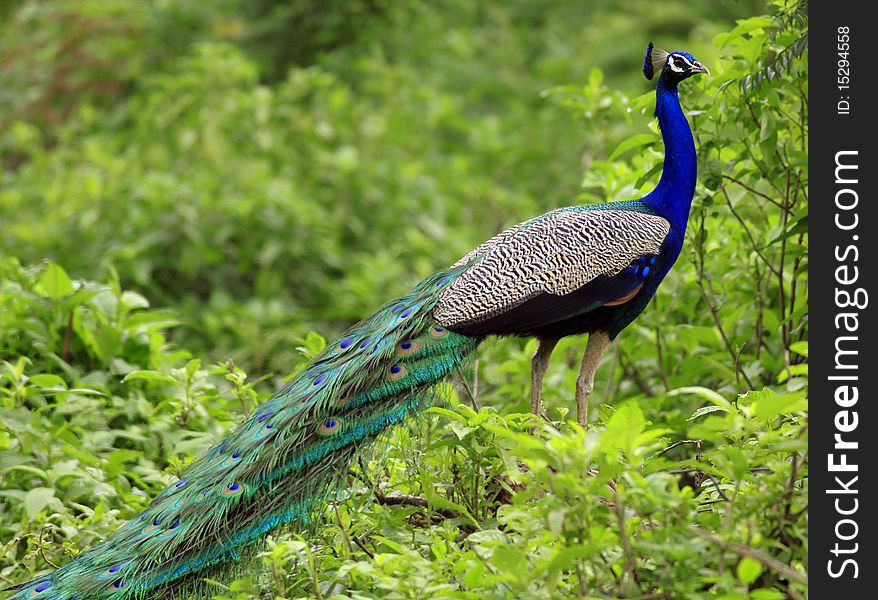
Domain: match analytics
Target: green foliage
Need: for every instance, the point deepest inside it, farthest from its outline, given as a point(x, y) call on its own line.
point(259, 193)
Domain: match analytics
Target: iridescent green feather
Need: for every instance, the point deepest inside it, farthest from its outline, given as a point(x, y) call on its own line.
point(280, 465)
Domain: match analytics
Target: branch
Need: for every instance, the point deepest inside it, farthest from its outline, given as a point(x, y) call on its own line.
point(409, 500)
point(676, 444)
point(745, 550)
point(753, 243)
point(752, 190)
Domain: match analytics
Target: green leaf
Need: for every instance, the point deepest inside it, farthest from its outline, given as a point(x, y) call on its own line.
point(637, 141)
point(132, 300)
point(706, 410)
point(461, 430)
point(768, 135)
point(36, 499)
point(705, 393)
point(800, 348)
point(623, 428)
point(54, 282)
point(47, 380)
point(148, 376)
point(567, 557)
point(772, 405)
point(738, 461)
point(488, 535)
point(793, 371)
point(748, 570)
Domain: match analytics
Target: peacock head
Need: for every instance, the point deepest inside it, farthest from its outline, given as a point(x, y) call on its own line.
point(672, 67)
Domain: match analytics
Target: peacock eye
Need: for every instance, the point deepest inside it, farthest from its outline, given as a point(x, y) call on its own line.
point(674, 63)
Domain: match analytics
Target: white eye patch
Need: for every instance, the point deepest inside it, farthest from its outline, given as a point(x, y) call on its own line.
point(676, 66)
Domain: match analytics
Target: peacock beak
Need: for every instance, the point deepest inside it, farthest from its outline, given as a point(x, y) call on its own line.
point(697, 67)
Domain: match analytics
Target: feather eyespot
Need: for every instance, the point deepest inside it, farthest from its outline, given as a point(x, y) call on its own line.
point(396, 372)
point(320, 379)
point(202, 495)
point(117, 585)
point(329, 426)
point(40, 588)
point(111, 572)
point(155, 524)
point(233, 489)
point(346, 343)
point(438, 332)
point(231, 460)
point(407, 347)
point(170, 529)
point(406, 313)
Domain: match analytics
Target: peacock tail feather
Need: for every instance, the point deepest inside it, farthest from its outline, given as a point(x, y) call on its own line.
point(280, 465)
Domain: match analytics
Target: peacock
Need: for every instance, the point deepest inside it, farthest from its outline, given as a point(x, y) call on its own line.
point(582, 269)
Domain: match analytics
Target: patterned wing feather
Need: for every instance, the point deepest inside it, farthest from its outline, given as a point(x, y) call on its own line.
point(556, 254)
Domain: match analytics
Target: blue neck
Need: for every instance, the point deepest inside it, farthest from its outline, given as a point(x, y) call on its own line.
point(673, 195)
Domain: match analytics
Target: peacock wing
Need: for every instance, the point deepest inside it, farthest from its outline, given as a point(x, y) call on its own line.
point(553, 258)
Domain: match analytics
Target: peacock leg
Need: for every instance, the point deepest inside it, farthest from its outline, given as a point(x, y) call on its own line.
point(538, 365)
point(594, 350)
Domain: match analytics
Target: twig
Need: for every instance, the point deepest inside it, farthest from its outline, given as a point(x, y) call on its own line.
point(714, 312)
point(42, 548)
point(363, 548)
point(611, 380)
point(344, 531)
point(313, 572)
point(230, 367)
point(409, 500)
point(626, 543)
point(68, 339)
point(752, 190)
point(277, 583)
point(740, 220)
point(633, 375)
point(658, 348)
point(476, 384)
point(469, 392)
point(676, 444)
point(745, 550)
point(716, 486)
